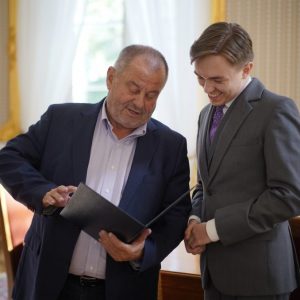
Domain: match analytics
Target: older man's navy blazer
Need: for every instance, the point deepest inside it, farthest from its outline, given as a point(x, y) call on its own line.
point(55, 151)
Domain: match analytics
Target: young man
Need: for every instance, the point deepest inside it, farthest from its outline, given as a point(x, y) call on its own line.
point(249, 169)
point(117, 149)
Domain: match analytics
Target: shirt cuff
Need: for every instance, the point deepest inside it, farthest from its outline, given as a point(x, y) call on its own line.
point(212, 231)
point(196, 218)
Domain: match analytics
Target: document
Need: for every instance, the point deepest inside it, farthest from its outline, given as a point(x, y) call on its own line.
point(92, 213)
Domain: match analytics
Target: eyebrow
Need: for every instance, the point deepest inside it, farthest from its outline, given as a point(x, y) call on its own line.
point(134, 83)
point(137, 86)
point(213, 77)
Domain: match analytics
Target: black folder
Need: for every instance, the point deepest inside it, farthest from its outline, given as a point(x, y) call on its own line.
point(91, 213)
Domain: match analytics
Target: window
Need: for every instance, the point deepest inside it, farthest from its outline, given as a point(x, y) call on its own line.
point(100, 42)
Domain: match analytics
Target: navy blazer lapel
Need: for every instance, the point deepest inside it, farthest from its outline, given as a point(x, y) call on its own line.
point(144, 152)
point(240, 110)
point(83, 136)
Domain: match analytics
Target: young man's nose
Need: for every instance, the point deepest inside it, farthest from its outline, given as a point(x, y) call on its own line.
point(208, 86)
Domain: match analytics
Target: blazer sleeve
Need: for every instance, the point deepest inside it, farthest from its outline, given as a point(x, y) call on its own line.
point(281, 198)
point(169, 232)
point(197, 197)
point(20, 161)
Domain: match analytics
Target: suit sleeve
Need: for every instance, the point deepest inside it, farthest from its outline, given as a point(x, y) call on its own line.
point(169, 232)
point(281, 198)
point(197, 197)
point(20, 162)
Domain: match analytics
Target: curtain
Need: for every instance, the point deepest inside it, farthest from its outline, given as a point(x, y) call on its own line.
point(9, 83)
point(46, 42)
point(218, 10)
point(172, 29)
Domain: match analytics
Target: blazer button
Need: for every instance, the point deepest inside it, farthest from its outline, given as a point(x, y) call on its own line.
point(208, 192)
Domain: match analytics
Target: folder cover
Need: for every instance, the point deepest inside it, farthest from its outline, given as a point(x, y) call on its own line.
point(92, 213)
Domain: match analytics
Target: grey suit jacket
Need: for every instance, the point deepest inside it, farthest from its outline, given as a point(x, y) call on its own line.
point(249, 181)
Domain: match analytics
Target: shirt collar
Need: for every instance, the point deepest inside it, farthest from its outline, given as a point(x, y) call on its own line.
point(227, 105)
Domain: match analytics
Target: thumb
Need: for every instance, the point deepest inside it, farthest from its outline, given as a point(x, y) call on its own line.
point(142, 237)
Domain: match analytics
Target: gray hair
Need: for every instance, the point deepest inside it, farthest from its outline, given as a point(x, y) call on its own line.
point(130, 52)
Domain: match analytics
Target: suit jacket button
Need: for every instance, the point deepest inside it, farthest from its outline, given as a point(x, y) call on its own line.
point(208, 192)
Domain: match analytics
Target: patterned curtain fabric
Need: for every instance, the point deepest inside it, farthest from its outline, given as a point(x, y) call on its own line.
point(274, 26)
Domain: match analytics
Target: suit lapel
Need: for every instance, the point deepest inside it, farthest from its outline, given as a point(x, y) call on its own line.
point(144, 152)
point(83, 136)
point(238, 112)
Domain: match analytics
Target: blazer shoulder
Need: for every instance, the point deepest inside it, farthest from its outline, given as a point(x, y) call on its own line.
point(203, 113)
point(163, 130)
point(71, 108)
point(278, 100)
point(258, 94)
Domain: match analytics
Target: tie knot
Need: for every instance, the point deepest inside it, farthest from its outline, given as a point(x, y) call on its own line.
point(220, 108)
point(218, 113)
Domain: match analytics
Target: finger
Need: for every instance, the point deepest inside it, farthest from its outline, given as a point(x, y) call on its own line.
point(54, 197)
point(196, 252)
point(143, 236)
point(189, 229)
point(187, 233)
point(195, 244)
point(110, 240)
point(49, 200)
point(57, 195)
point(71, 189)
point(62, 194)
point(113, 246)
point(187, 247)
point(199, 250)
point(60, 199)
point(113, 238)
point(103, 235)
point(61, 189)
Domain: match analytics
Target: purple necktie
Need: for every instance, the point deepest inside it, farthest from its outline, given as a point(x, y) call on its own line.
point(216, 120)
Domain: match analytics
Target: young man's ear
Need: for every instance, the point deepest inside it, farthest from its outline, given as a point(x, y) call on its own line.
point(247, 69)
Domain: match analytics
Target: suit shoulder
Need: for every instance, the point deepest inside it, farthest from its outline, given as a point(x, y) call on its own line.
point(71, 107)
point(269, 95)
point(164, 130)
point(277, 100)
point(203, 113)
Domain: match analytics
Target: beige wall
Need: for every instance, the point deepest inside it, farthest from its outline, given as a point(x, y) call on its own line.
point(3, 62)
point(274, 26)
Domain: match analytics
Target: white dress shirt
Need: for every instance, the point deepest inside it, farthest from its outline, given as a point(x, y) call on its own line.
point(107, 173)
